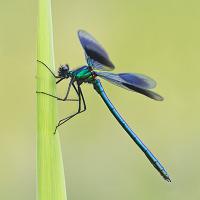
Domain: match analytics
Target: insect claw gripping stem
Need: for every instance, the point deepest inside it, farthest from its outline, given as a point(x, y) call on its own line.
point(55, 130)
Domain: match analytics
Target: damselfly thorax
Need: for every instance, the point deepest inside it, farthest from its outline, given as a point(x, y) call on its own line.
point(84, 74)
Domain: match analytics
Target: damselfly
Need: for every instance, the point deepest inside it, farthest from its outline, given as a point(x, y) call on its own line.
point(98, 59)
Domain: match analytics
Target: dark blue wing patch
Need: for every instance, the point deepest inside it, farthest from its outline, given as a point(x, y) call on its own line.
point(147, 93)
point(96, 56)
point(134, 82)
point(138, 80)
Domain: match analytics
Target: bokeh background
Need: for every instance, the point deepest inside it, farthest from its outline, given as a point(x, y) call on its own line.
point(158, 38)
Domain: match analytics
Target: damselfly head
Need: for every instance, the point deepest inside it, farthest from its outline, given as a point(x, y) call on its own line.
point(63, 71)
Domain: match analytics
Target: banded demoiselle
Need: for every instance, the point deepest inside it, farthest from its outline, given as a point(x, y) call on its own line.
point(98, 59)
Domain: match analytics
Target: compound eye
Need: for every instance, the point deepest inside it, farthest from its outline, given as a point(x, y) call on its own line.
point(65, 67)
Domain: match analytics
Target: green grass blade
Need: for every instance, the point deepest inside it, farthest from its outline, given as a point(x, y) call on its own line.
point(50, 172)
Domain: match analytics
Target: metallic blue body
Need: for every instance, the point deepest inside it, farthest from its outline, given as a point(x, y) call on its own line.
point(98, 87)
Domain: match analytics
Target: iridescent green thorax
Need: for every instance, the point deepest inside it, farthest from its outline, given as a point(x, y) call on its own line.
point(84, 74)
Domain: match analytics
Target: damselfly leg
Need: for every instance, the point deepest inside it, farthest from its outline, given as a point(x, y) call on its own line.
point(55, 76)
point(59, 98)
point(80, 97)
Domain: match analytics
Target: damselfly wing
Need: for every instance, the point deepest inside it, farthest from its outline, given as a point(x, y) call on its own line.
point(134, 82)
point(95, 54)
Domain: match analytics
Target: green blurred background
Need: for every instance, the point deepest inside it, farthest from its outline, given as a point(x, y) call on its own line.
point(157, 38)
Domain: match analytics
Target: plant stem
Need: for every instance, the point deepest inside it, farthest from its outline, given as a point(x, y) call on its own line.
point(50, 172)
